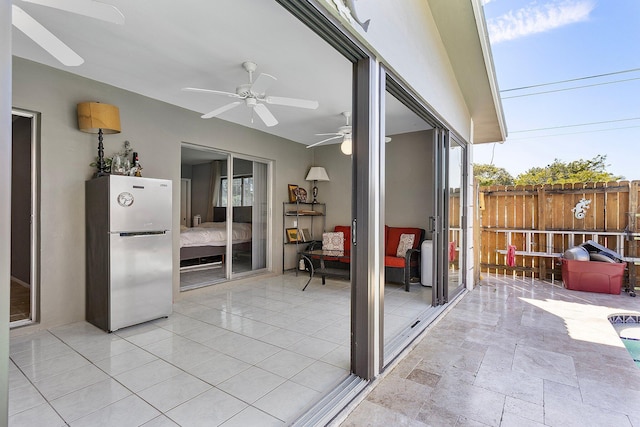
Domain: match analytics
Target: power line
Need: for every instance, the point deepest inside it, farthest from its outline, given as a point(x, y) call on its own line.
point(576, 125)
point(573, 133)
point(569, 88)
point(572, 80)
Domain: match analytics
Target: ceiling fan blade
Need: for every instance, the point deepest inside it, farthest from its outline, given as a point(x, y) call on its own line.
point(215, 92)
point(292, 102)
point(323, 141)
point(39, 34)
point(263, 112)
point(221, 110)
point(327, 134)
point(262, 83)
point(92, 9)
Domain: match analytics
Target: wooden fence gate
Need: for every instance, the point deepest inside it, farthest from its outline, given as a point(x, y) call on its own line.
point(543, 221)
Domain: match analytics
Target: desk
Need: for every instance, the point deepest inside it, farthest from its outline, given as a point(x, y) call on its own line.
point(322, 255)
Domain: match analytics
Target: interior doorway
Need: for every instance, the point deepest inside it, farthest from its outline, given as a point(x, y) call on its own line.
point(23, 295)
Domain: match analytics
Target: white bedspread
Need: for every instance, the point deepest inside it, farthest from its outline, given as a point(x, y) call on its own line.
point(215, 234)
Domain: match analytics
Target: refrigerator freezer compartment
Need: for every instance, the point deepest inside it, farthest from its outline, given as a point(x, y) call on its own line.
point(141, 271)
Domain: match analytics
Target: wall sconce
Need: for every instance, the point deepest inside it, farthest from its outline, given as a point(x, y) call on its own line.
point(316, 173)
point(94, 117)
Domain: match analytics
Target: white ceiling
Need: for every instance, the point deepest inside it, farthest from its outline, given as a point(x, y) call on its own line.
point(166, 45)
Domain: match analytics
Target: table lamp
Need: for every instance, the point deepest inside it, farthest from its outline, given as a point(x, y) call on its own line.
point(94, 117)
point(316, 173)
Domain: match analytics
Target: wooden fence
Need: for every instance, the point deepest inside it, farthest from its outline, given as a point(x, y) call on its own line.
point(543, 221)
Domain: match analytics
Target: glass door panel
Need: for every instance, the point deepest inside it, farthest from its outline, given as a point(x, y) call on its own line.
point(455, 232)
point(249, 228)
point(410, 178)
point(203, 241)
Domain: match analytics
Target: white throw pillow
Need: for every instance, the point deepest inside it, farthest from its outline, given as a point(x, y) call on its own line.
point(406, 243)
point(333, 241)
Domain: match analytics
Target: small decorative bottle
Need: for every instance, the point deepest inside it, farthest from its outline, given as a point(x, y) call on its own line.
point(136, 169)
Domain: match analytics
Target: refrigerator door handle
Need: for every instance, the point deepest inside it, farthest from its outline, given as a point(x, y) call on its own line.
point(142, 233)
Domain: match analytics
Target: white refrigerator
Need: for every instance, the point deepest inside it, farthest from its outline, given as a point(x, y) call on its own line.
point(129, 251)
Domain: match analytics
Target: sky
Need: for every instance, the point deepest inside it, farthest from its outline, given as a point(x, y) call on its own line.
point(549, 41)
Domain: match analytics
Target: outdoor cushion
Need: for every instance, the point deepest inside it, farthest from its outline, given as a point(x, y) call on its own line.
point(393, 238)
point(406, 243)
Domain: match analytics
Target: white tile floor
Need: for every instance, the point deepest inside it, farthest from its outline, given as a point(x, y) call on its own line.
point(257, 352)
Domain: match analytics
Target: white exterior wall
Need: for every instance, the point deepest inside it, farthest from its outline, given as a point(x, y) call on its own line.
point(405, 37)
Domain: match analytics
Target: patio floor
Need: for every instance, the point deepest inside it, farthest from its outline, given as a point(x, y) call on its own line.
point(513, 352)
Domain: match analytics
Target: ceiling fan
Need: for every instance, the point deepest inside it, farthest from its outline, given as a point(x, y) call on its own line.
point(343, 132)
point(253, 95)
point(53, 45)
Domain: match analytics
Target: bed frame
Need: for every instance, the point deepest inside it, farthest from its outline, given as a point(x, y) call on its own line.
point(240, 214)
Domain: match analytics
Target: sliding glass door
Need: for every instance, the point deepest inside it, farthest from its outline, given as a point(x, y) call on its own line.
point(224, 216)
point(456, 196)
point(246, 188)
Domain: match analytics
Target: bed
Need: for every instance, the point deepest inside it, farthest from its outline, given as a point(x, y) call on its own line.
point(210, 238)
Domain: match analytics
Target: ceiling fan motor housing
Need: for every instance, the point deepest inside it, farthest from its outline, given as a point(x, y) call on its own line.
point(244, 90)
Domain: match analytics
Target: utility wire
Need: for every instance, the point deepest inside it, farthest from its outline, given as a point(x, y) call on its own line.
point(569, 88)
point(572, 133)
point(576, 125)
point(572, 80)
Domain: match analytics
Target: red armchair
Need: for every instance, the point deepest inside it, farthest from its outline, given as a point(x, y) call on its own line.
point(397, 269)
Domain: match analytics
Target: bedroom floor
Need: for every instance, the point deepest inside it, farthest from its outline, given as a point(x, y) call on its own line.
point(256, 352)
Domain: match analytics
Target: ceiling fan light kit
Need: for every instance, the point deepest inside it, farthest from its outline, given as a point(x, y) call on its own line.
point(344, 132)
point(254, 96)
point(346, 147)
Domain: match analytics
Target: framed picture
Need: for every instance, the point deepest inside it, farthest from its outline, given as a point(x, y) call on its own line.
point(301, 194)
point(306, 234)
point(293, 236)
point(293, 193)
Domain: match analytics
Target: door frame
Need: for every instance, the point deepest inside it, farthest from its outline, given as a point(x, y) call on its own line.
point(34, 270)
point(187, 201)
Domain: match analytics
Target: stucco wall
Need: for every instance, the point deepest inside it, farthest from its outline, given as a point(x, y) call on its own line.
point(156, 131)
point(404, 35)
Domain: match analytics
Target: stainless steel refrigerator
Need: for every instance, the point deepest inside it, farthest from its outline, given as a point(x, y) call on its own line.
point(129, 250)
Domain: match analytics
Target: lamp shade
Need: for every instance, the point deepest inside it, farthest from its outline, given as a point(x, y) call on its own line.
point(93, 116)
point(317, 173)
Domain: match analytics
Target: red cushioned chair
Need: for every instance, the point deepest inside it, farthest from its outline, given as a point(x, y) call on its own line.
point(397, 269)
point(402, 269)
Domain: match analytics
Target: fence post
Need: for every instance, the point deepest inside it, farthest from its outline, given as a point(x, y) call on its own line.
point(477, 240)
point(633, 216)
point(542, 225)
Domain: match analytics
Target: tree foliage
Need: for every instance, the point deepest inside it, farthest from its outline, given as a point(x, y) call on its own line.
point(491, 175)
point(559, 172)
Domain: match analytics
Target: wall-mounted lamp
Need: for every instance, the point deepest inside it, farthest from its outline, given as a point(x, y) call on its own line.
point(94, 117)
point(316, 173)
